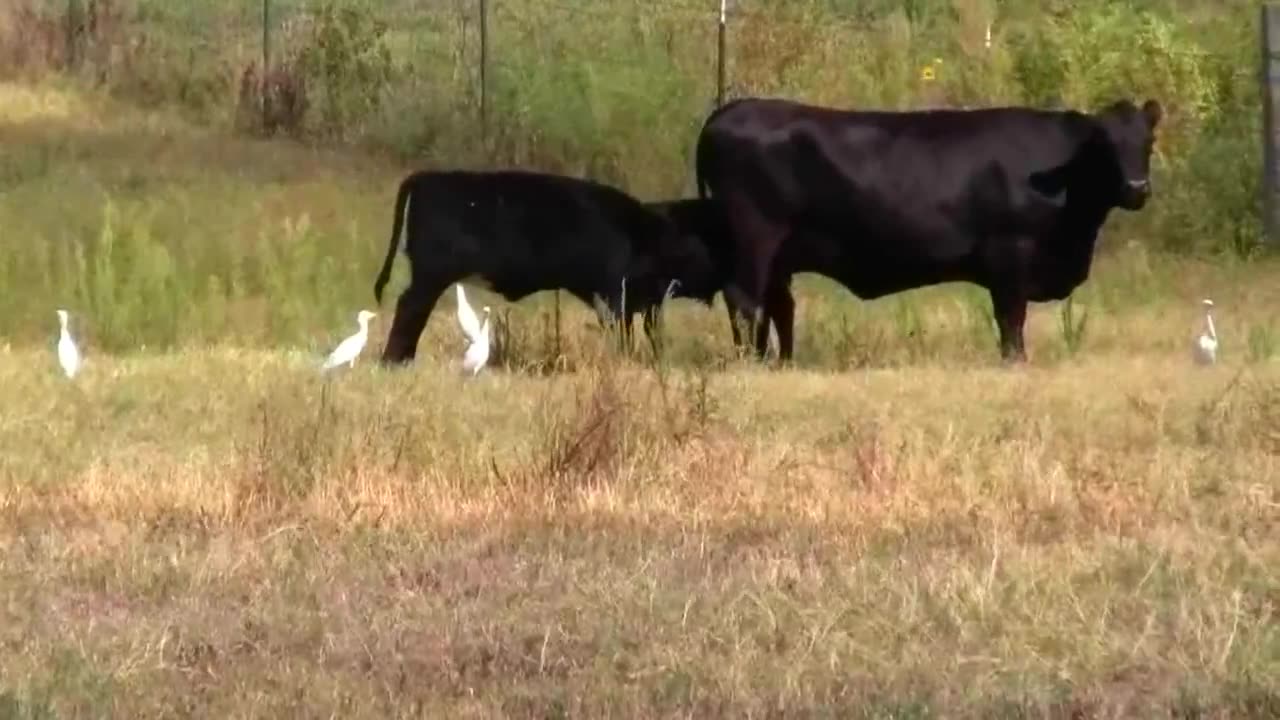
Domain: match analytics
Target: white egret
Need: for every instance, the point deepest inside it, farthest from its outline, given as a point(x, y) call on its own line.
point(349, 349)
point(68, 355)
point(1206, 347)
point(477, 352)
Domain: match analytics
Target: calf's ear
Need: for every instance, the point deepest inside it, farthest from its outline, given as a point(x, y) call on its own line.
point(1154, 112)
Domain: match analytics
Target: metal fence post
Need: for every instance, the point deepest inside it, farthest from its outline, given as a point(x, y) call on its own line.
point(1270, 116)
point(720, 52)
point(266, 65)
point(484, 71)
point(75, 33)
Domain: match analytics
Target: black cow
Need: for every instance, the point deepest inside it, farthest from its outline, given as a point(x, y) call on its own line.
point(1010, 198)
point(519, 232)
point(699, 221)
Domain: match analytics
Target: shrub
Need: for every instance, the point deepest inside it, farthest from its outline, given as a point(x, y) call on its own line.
point(347, 62)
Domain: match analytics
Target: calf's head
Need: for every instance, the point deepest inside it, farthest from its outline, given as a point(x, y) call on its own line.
point(695, 247)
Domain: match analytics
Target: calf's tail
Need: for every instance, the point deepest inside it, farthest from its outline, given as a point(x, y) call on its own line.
point(397, 227)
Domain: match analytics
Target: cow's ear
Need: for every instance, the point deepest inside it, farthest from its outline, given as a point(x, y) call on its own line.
point(1153, 111)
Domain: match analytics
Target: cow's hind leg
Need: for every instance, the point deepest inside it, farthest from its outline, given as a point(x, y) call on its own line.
point(759, 241)
point(762, 331)
point(412, 310)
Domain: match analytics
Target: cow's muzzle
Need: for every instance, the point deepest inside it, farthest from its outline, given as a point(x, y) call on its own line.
point(1136, 193)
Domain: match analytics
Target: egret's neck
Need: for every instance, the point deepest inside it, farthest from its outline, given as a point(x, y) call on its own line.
point(1208, 321)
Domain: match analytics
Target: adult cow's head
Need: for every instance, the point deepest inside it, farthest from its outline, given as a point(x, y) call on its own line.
point(1130, 136)
point(1111, 165)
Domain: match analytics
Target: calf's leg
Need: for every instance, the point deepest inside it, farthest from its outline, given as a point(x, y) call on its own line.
point(732, 309)
point(619, 311)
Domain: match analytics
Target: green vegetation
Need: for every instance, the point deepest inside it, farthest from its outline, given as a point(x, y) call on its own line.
point(897, 527)
point(143, 209)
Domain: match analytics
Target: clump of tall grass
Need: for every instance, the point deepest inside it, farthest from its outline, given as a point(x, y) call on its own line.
point(1073, 329)
point(134, 286)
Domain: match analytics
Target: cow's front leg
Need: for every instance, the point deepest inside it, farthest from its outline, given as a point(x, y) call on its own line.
point(781, 311)
point(732, 309)
point(1010, 307)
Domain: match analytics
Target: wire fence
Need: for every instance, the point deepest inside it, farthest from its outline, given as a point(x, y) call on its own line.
point(478, 49)
point(480, 45)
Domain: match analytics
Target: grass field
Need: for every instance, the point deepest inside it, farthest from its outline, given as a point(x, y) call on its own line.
point(897, 526)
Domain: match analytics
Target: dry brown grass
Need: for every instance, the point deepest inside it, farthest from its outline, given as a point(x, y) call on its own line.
point(224, 533)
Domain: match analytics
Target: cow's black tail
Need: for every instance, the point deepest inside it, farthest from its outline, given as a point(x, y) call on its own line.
point(702, 152)
point(397, 227)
